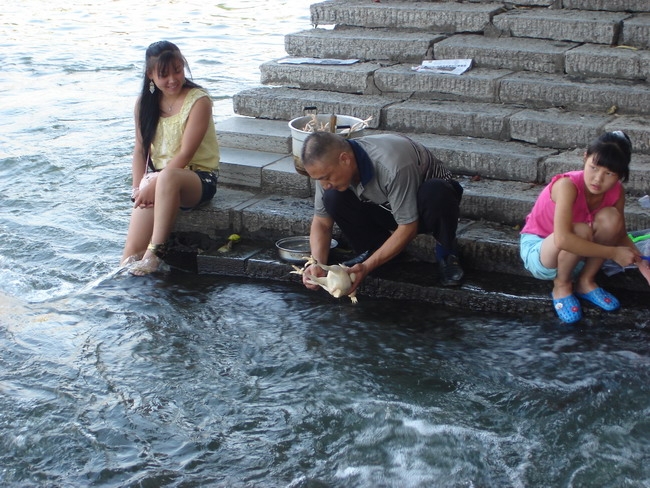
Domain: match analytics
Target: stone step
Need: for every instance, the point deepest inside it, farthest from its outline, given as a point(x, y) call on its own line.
point(407, 278)
point(355, 78)
point(548, 128)
point(288, 103)
point(486, 158)
point(484, 246)
point(637, 31)
point(534, 90)
point(517, 54)
point(358, 43)
point(545, 56)
point(594, 60)
point(480, 120)
point(592, 94)
point(564, 25)
point(513, 53)
point(473, 156)
point(441, 17)
point(240, 132)
point(499, 177)
point(508, 203)
point(262, 171)
point(269, 136)
point(552, 128)
point(466, 156)
point(592, 21)
point(609, 5)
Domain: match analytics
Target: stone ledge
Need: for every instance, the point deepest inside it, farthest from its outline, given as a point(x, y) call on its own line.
point(445, 17)
point(358, 43)
point(544, 91)
point(406, 278)
point(594, 60)
point(484, 246)
point(288, 103)
point(511, 53)
point(563, 25)
point(609, 5)
point(636, 31)
point(354, 78)
point(550, 128)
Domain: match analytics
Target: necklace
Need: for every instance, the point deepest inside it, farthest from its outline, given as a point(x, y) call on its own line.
point(171, 106)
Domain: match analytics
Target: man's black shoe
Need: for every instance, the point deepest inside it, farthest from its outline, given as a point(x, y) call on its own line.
point(450, 271)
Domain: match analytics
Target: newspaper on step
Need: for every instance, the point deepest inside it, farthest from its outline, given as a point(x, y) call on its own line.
point(445, 66)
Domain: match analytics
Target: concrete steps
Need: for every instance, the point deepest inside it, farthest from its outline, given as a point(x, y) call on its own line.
point(556, 128)
point(599, 24)
point(548, 76)
point(443, 17)
point(563, 25)
point(486, 247)
point(515, 53)
point(360, 43)
point(488, 85)
point(501, 179)
point(610, 5)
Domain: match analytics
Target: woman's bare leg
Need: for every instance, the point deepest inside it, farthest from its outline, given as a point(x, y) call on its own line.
point(175, 188)
point(138, 235)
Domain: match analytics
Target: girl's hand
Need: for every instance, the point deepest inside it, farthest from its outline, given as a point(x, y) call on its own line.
point(146, 193)
point(625, 256)
point(644, 269)
point(144, 198)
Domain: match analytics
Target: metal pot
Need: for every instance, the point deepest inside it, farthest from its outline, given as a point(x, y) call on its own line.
point(344, 125)
point(296, 249)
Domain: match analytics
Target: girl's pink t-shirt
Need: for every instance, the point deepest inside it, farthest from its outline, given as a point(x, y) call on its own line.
point(540, 220)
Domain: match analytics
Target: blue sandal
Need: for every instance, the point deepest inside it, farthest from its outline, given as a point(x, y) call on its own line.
point(602, 299)
point(567, 308)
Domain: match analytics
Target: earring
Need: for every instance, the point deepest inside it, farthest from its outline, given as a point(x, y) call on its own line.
point(152, 87)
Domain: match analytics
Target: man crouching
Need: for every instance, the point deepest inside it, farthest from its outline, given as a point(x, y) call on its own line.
point(381, 190)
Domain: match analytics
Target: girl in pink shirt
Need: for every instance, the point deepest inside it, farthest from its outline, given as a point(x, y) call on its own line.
point(577, 223)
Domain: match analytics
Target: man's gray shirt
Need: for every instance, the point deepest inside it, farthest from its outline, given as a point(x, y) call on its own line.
point(391, 174)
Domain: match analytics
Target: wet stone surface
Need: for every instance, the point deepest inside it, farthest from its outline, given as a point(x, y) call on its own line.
point(408, 278)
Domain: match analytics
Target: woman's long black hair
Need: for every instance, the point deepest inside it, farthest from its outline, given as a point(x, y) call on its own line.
point(160, 56)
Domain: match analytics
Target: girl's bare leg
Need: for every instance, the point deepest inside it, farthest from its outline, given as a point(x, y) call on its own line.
point(609, 230)
point(564, 261)
point(563, 282)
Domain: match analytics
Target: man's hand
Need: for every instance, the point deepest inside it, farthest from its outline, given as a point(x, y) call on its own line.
point(312, 270)
point(360, 271)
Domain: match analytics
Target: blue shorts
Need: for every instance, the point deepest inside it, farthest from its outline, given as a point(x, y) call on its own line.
point(530, 247)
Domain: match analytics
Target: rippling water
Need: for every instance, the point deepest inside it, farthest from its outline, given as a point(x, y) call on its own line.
point(180, 380)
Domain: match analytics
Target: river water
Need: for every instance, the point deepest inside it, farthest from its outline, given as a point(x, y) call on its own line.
point(178, 380)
